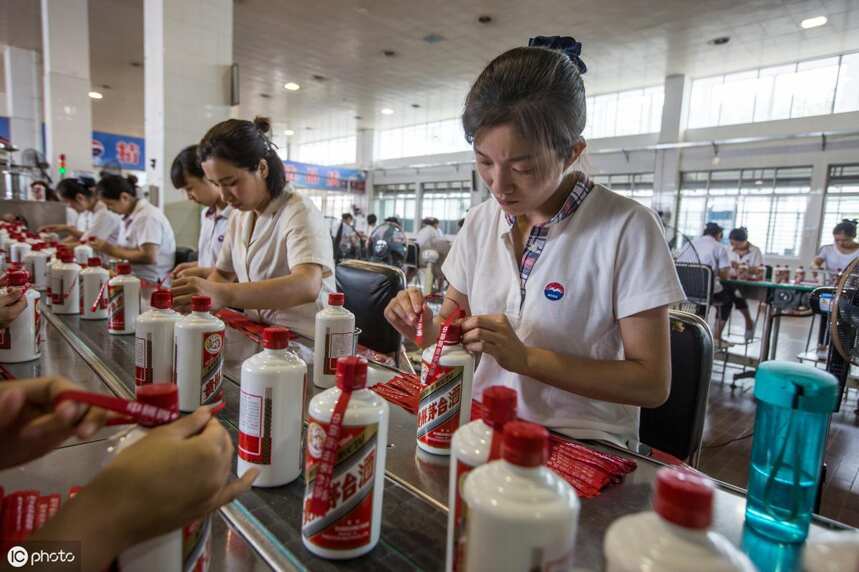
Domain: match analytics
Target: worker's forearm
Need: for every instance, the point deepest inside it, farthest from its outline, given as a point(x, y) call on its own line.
point(273, 294)
point(133, 255)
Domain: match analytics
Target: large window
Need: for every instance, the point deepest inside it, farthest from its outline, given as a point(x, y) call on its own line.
point(448, 201)
point(433, 138)
point(340, 151)
point(771, 203)
point(625, 113)
point(637, 186)
point(396, 200)
point(799, 89)
point(332, 204)
point(842, 198)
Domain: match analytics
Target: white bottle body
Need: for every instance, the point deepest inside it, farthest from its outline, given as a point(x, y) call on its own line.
point(335, 328)
point(518, 518)
point(54, 263)
point(445, 405)
point(362, 474)
point(92, 281)
point(271, 416)
point(199, 360)
point(83, 252)
point(66, 288)
point(123, 303)
point(646, 541)
point(36, 263)
point(19, 250)
point(21, 340)
point(153, 346)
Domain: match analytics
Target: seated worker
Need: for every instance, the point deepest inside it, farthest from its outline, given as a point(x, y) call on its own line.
point(708, 249)
point(101, 223)
point(743, 252)
point(585, 345)
point(187, 174)
point(128, 501)
point(147, 240)
point(429, 232)
point(844, 249)
point(277, 262)
point(346, 240)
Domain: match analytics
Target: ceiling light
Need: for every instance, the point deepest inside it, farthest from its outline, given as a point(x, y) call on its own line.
point(95, 95)
point(292, 86)
point(720, 41)
point(289, 132)
point(759, 182)
point(815, 22)
point(416, 106)
point(387, 111)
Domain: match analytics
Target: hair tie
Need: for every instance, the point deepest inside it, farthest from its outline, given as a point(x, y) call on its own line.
point(566, 44)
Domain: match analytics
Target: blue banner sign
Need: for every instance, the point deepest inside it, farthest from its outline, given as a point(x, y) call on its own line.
point(110, 150)
point(5, 135)
point(306, 176)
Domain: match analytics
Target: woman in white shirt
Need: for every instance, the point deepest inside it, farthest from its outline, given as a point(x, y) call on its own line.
point(277, 262)
point(93, 217)
point(187, 174)
point(844, 249)
point(743, 252)
point(566, 284)
point(147, 240)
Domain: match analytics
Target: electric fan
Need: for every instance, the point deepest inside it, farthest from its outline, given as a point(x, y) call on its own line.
point(388, 244)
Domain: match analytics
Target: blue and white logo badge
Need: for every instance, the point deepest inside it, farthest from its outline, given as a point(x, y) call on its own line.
point(554, 291)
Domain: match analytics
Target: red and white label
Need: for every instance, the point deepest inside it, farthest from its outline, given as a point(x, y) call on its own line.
point(116, 308)
point(143, 371)
point(337, 345)
point(255, 418)
point(211, 381)
point(438, 409)
point(197, 545)
point(5, 339)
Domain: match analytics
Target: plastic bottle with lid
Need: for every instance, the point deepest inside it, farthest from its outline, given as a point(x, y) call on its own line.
point(676, 535)
point(445, 400)
point(94, 279)
point(83, 252)
point(36, 262)
point(335, 327)
point(199, 356)
point(65, 286)
point(21, 340)
point(519, 515)
point(153, 340)
point(475, 444)
point(123, 301)
point(352, 524)
point(271, 411)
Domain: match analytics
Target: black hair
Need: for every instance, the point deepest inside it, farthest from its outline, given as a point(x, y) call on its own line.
point(244, 144)
point(847, 227)
point(740, 234)
point(346, 216)
point(371, 219)
point(539, 90)
point(712, 229)
point(393, 219)
point(71, 188)
point(112, 186)
point(186, 164)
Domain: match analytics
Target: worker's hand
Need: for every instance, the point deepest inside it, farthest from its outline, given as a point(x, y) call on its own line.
point(31, 426)
point(493, 335)
point(189, 271)
point(177, 473)
point(403, 312)
point(54, 228)
point(188, 286)
point(100, 245)
point(177, 272)
point(12, 303)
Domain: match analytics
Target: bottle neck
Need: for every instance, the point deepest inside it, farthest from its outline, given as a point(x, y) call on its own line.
point(280, 352)
point(527, 472)
point(694, 535)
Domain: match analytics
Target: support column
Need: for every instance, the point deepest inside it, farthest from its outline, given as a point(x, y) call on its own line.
point(22, 98)
point(666, 176)
point(364, 153)
point(68, 111)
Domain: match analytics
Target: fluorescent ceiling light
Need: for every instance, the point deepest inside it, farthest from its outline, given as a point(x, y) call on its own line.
point(289, 132)
point(95, 95)
point(292, 86)
point(387, 111)
point(815, 22)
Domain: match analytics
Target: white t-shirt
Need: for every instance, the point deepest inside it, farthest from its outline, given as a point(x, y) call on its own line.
point(291, 231)
point(213, 229)
point(104, 224)
point(752, 258)
point(607, 261)
point(147, 225)
point(710, 252)
point(426, 235)
point(71, 217)
point(83, 221)
point(834, 259)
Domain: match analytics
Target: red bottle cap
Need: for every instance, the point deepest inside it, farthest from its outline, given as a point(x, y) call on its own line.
point(683, 498)
point(351, 373)
point(66, 256)
point(123, 268)
point(161, 299)
point(163, 395)
point(18, 278)
point(525, 444)
point(500, 405)
point(93, 262)
point(201, 303)
point(38, 246)
point(336, 299)
point(275, 338)
point(454, 332)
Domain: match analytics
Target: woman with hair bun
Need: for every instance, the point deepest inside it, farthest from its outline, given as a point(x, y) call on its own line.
point(836, 256)
point(276, 262)
point(744, 253)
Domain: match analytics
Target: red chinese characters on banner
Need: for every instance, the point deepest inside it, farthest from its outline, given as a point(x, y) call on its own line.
point(128, 152)
point(332, 179)
point(312, 176)
point(291, 172)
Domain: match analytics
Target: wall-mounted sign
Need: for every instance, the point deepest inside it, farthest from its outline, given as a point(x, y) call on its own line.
point(307, 176)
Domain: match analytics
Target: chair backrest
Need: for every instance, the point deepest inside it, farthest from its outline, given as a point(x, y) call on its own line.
point(185, 254)
point(368, 287)
point(677, 426)
point(697, 282)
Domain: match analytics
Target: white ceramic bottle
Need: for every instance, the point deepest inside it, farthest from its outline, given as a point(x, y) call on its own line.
point(199, 356)
point(445, 400)
point(519, 515)
point(66, 286)
point(94, 279)
point(83, 252)
point(21, 340)
point(153, 340)
point(19, 249)
point(271, 411)
point(351, 525)
point(55, 262)
point(36, 263)
point(675, 536)
point(123, 300)
point(475, 444)
point(335, 327)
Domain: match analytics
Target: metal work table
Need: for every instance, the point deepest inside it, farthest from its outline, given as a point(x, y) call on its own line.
point(415, 505)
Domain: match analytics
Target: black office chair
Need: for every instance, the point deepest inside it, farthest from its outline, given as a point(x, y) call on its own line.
point(369, 287)
point(677, 426)
point(184, 254)
point(697, 282)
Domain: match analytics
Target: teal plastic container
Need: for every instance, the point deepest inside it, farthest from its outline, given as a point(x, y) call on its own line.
point(794, 403)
